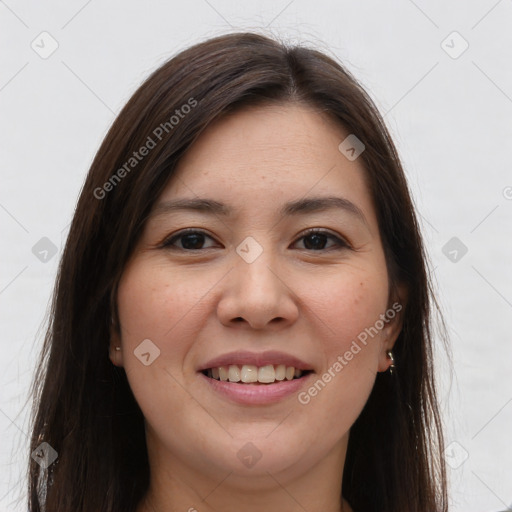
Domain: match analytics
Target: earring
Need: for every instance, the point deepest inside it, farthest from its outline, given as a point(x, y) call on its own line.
point(118, 348)
point(392, 365)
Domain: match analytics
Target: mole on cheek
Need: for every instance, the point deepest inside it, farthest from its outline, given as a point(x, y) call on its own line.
point(359, 296)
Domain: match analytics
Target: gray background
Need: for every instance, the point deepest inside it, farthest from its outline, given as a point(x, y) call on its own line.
point(449, 112)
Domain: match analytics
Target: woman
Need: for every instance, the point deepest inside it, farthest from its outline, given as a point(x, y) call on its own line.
point(241, 318)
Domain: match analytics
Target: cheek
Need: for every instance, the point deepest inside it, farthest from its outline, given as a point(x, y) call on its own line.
point(347, 312)
point(338, 394)
point(347, 305)
point(166, 309)
point(158, 304)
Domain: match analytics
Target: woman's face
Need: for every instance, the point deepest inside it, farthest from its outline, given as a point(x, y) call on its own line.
point(251, 289)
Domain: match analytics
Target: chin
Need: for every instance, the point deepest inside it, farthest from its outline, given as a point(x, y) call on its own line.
point(257, 456)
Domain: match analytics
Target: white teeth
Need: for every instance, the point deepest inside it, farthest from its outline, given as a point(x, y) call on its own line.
point(266, 374)
point(234, 373)
point(280, 372)
point(249, 373)
point(223, 372)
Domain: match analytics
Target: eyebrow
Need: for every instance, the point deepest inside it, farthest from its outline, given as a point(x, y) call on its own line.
point(298, 207)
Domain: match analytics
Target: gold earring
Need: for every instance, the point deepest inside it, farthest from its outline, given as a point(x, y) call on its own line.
point(392, 365)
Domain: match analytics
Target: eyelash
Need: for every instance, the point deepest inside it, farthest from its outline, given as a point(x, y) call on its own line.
point(168, 243)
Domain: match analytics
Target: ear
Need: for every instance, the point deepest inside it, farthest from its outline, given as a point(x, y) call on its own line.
point(391, 331)
point(115, 346)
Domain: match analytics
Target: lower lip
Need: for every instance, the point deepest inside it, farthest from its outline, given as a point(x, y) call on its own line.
point(256, 394)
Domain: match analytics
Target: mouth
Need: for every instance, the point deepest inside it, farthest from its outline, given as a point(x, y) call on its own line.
point(255, 375)
point(255, 378)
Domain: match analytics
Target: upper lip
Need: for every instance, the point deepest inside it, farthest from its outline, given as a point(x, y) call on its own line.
point(257, 359)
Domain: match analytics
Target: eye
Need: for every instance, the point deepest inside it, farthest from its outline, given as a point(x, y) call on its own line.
point(191, 240)
point(315, 240)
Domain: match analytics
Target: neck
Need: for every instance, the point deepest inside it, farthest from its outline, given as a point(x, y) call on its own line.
point(149, 505)
point(176, 485)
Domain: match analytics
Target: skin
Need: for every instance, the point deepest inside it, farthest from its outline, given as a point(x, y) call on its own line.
point(196, 304)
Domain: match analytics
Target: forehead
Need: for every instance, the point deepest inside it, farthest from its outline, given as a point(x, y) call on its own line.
point(291, 135)
point(263, 157)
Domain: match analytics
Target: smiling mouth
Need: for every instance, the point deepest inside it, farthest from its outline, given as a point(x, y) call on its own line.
point(251, 374)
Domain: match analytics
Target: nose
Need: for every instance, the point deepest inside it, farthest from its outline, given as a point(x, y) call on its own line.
point(258, 294)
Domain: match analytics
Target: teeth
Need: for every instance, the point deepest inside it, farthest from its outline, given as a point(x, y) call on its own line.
point(249, 373)
point(266, 374)
point(234, 373)
point(280, 372)
point(223, 373)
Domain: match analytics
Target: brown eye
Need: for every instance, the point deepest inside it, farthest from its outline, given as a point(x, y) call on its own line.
point(191, 240)
point(315, 240)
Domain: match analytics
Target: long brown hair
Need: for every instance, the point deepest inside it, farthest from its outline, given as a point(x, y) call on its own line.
point(83, 406)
